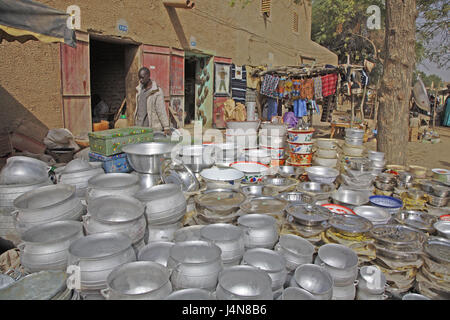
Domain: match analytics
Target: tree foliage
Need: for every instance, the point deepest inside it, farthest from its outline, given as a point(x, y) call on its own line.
point(428, 80)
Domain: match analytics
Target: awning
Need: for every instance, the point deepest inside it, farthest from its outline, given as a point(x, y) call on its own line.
point(23, 20)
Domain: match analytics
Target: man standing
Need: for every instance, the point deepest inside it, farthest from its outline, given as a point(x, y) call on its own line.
point(150, 106)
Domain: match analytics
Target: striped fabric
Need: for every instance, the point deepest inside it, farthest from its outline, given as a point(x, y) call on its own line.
point(238, 84)
point(265, 6)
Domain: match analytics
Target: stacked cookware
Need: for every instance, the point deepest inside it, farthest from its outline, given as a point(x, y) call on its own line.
point(308, 221)
point(371, 284)
point(377, 160)
point(385, 184)
point(165, 207)
point(315, 281)
point(300, 147)
point(109, 184)
point(243, 134)
point(326, 154)
point(272, 138)
point(398, 250)
point(433, 279)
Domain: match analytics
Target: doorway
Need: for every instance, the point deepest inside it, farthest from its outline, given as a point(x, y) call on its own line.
point(189, 88)
point(113, 71)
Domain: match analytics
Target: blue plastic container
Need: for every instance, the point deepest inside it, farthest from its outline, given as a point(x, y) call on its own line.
point(113, 164)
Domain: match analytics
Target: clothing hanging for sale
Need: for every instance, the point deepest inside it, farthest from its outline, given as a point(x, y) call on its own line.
point(238, 83)
point(307, 89)
point(272, 110)
point(300, 108)
point(329, 83)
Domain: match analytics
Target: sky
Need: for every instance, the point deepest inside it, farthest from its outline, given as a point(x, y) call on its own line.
point(431, 68)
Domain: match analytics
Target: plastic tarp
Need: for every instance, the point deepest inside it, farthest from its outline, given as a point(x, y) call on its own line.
point(23, 20)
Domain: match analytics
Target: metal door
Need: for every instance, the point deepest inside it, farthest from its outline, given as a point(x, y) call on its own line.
point(76, 85)
point(177, 85)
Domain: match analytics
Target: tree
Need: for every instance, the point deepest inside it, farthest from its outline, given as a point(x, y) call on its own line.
point(395, 91)
point(428, 80)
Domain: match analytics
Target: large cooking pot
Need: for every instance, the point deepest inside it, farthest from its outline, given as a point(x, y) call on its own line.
point(23, 170)
point(197, 157)
point(189, 233)
point(112, 184)
point(10, 192)
point(260, 230)
point(116, 214)
point(229, 238)
point(191, 294)
point(244, 283)
point(345, 293)
point(45, 247)
point(97, 255)
point(140, 280)
point(314, 279)
point(156, 251)
point(77, 173)
point(297, 251)
point(164, 204)
point(269, 261)
point(195, 264)
point(340, 261)
point(148, 157)
point(162, 232)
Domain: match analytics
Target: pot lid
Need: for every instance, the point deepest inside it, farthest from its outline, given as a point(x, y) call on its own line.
point(220, 199)
point(396, 234)
point(115, 209)
point(309, 212)
point(264, 205)
point(350, 223)
point(158, 192)
point(43, 285)
point(438, 248)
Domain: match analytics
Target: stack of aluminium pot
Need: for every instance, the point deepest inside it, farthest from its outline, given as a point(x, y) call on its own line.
point(326, 154)
point(47, 204)
point(14, 182)
point(398, 250)
point(342, 263)
point(385, 184)
point(122, 214)
point(109, 184)
point(77, 173)
point(272, 137)
point(377, 160)
point(307, 221)
point(371, 284)
point(433, 279)
point(165, 207)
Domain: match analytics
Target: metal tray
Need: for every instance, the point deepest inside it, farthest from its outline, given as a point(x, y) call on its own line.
point(264, 205)
point(416, 219)
point(396, 235)
point(309, 215)
point(350, 224)
point(220, 200)
point(438, 249)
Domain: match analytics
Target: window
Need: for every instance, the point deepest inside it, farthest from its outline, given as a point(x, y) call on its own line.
point(295, 22)
point(265, 8)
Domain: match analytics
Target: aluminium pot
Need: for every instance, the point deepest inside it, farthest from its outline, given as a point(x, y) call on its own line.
point(362, 295)
point(97, 255)
point(10, 192)
point(354, 133)
point(162, 232)
point(260, 230)
point(112, 184)
point(79, 179)
point(156, 251)
point(244, 283)
point(345, 292)
point(314, 279)
point(197, 157)
point(229, 238)
point(269, 261)
point(372, 280)
point(46, 203)
point(140, 280)
point(116, 214)
point(296, 250)
point(195, 264)
point(45, 247)
point(340, 261)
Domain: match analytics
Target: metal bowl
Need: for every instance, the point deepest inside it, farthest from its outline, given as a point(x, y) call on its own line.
point(375, 215)
point(350, 198)
point(295, 197)
point(316, 188)
point(322, 174)
point(259, 191)
point(290, 171)
point(338, 256)
point(115, 209)
point(443, 228)
point(148, 157)
point(293, 293)
point(437, 201)
point(23, 170)
point(190, 233)
point(427, 186)
point(191, 294)
point(308, 214)
point(156, 251)
point(195, 252)
point(296, 246)
point(46, 197)
point(314, 279)
point(416, 219)
point(354, 133)
point(244, 282)
point(376, 156)
point(440, 191)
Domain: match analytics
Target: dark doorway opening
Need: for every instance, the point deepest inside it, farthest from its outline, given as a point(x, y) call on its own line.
point(189, 89)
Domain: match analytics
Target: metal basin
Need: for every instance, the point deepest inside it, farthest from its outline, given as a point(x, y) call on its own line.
point(322, 174)
point(416, 219)
point(375, 215)
point(295, 197)
point(229, 238)
point(290, 171)
point(259, 191)
point(23, 170)
point(314, 279)
point(197, 157)
point(443, 228)
point(188, 233)
point(112, 184)
point(269, 261)
point(350, 198)
point(340, 261)
point(157, 252)
point(141, 280)
point(244, 283)
point(148, 157)
point(260, 230)
point(317, 188)
point(297, 251)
